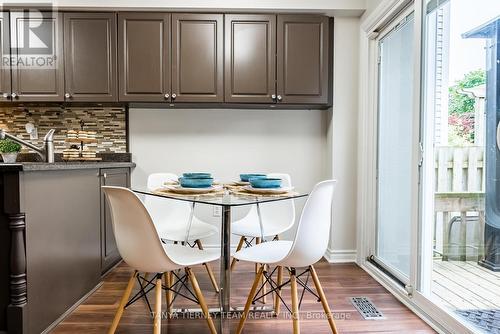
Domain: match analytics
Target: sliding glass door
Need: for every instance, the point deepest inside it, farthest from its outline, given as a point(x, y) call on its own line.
point(394, 169)
point(460, 235)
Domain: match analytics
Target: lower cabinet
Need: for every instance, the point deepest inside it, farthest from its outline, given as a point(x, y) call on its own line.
point(118, 177)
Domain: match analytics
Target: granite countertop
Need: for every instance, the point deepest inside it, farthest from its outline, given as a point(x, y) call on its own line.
point(31, 162)
point(43, 166)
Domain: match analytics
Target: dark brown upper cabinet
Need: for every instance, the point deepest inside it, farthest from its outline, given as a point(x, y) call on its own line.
point(144, 56)
point(302, 59)
point(90, 57)
point(250, 62)
point(197, 58)
point(5, 87)
point(36, 46)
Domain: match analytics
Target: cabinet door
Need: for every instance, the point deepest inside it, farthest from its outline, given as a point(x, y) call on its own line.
point(302, 58)
point(250, 47)
point(36, 49)
point(5, 87)
point(197, 59)
point(144, 52)
point(118, 177)
point(90, 57)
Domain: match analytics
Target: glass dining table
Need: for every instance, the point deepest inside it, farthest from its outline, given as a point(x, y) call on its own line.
point(226, 200)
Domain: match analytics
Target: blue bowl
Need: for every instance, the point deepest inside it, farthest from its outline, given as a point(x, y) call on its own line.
point(247, 177)
point(189, 182)
point(265, 183)
point(197, 175)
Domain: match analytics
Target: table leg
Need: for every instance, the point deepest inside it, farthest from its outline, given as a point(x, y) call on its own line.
point(225, 267)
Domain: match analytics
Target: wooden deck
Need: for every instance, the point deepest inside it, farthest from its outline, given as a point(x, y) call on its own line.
point(465, 285)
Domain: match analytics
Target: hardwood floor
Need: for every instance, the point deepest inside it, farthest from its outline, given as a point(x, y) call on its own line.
point(340, 281)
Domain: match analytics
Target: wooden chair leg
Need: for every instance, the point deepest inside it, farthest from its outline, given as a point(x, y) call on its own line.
point(157, 317)
point(240, 245)
point(277, 293)
point(251, 296)
point(295, 303)
point(324, 302)
point(209, 269)
point(201, 300)
point(168, 294)
point(258, 241)
point(123, 302)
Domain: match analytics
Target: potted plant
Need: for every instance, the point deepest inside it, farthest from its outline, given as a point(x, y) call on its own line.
point(9, 150)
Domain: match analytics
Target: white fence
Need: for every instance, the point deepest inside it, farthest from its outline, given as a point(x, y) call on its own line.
point(459, 197)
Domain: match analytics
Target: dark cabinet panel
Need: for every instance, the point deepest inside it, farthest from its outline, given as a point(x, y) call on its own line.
point(302, 57)
point(250, 47)
point(36, 48)
point(5, 84)
point(90, 57)
point(197, 59)
point(144, 56)
point(118, 177)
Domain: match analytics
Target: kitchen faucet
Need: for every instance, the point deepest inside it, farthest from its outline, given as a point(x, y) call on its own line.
point(46, 151)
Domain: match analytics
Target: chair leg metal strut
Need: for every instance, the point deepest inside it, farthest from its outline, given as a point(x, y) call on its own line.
point(295, 281)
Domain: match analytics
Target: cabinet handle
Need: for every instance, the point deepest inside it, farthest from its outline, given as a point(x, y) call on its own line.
point(67, 95)
point(14, 95)
point(167, 95)
point(174, 96)
point(273, 97)
point(105, 175)
point(6, 95)
point(280, 98)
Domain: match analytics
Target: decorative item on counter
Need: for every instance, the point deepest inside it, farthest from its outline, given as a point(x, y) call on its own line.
point(81, 152)
point(72, 134)
point(92, 135)
point(88, 153)
point(9, 150)
point(82, 135)
point(72, 153)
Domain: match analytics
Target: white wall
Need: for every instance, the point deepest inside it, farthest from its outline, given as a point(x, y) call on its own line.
point(228, 142)
point(310, 145)
point(342, 136)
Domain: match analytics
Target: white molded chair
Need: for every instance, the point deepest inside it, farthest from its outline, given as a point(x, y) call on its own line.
point(141, 248)
point(308, 247)
point(277, 217)
point(171, 218)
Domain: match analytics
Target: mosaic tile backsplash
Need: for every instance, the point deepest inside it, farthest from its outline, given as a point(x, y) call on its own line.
point(109, 123)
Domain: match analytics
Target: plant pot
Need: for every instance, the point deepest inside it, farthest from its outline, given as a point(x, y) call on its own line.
point(9, 158)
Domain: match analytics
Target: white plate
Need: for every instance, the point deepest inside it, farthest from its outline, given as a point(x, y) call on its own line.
point(268, 191)
point(183, 190)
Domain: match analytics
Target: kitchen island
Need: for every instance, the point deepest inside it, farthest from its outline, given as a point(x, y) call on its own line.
point(56, 239)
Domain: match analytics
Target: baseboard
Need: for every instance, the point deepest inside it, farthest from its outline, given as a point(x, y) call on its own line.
point(340, 256)
point(71, 309)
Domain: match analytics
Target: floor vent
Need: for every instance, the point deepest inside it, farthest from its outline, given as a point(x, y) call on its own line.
point(367, 309)
point(487, 320)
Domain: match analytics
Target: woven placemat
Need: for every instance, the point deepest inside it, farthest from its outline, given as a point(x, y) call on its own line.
point(242, 192)
point(173, 193)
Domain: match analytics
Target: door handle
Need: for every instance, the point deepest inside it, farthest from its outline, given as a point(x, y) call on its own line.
point(498, 135)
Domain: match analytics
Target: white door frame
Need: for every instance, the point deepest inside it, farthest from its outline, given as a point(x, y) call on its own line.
point(373, 27)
